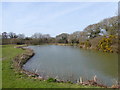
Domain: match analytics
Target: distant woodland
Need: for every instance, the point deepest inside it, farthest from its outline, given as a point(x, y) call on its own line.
point(102, 36)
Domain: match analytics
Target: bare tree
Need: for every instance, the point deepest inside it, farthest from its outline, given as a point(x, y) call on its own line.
point(62, 38)
point(4, 35)
point(12, 35)
point(21, 36)
point(37, 35)
point(74, 37)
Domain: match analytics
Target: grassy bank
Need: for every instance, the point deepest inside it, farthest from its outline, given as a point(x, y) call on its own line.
point(12, 79)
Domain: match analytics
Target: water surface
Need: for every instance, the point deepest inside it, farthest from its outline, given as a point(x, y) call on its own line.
point(70, 63)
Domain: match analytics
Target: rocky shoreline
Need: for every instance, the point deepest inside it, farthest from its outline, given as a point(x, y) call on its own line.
point(21, 59)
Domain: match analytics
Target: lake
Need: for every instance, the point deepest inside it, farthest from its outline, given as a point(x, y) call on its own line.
point(71, 63)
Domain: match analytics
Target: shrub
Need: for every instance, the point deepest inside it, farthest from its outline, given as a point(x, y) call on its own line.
point(106, 43)
point(51, 80)
point(85, 43)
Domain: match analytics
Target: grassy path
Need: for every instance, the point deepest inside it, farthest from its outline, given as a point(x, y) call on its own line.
point(11, 79)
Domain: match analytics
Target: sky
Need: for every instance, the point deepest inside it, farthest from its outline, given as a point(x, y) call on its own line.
point(53, 17)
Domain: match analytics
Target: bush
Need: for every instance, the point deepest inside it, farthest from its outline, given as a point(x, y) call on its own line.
point(51, 80)
point(106, 43)
point(86, 44)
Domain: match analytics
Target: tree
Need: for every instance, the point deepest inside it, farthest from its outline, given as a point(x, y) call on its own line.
point(39, 38)
point(12, 35)
point(74, 37)
point(21, 36)
point(4, 35)
point(110, 25)
point(82, 37)
point(46, 36)
point(37, 35)
point(92, 30)
point(62, 38)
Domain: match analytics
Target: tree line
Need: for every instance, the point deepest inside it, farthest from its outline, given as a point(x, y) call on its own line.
point(102, 35)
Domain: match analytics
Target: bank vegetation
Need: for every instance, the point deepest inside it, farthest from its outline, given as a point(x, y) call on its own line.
point(101, 36)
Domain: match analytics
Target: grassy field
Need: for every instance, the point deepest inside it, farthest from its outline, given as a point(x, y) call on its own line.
point(11, 79)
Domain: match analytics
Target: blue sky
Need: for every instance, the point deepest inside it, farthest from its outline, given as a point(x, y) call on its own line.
point(53, 17)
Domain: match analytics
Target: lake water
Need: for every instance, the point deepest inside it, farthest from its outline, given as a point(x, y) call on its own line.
point(70, 63)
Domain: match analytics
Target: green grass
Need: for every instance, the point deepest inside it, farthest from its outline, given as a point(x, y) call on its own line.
point(11, 79)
